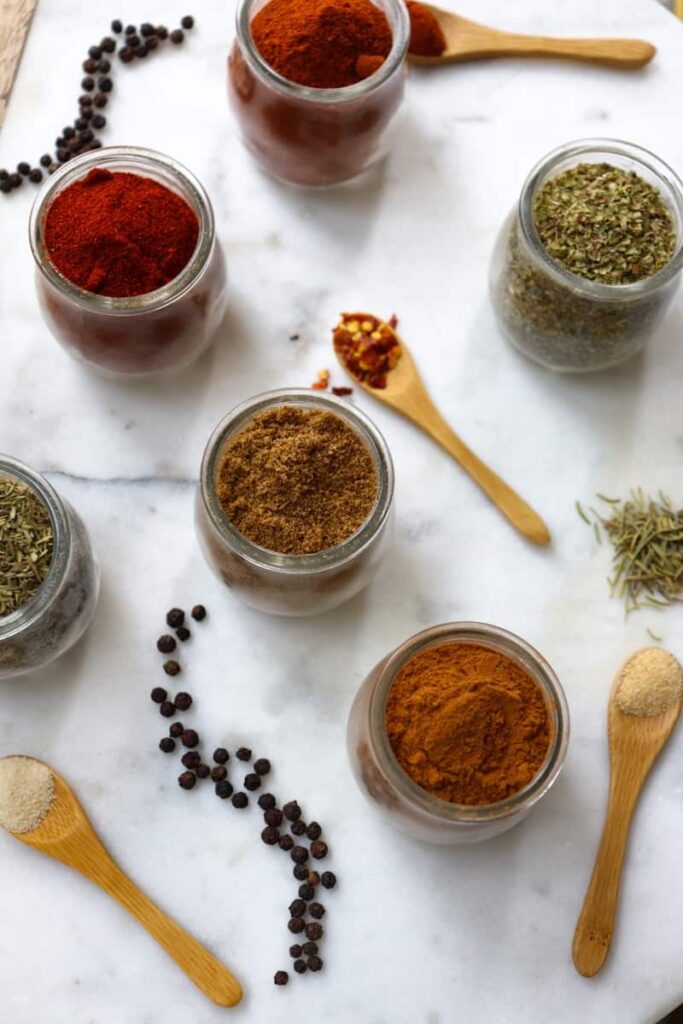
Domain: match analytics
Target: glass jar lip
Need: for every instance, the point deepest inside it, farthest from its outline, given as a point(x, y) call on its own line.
point(663, 173)
point(494, 637)
point(116, 157)
point(399, 49)
point(320, 561)
point(19, 620)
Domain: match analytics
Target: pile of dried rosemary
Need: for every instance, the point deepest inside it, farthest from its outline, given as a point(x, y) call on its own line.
point(26, 544)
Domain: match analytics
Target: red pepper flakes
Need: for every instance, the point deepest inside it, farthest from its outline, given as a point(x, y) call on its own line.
point(367, 346)
point(342, 392)
point(322, 380)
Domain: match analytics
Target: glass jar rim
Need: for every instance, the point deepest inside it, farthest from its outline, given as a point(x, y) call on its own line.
point(661, 171)
point(348, 93)
point(319, 561)
point(522, 653)
point(116, 157)
point(18, 621)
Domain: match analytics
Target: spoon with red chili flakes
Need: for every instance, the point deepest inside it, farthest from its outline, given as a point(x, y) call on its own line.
point(372, 353)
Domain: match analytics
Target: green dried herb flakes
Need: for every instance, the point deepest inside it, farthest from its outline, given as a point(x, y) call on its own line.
point(26, 544)
point(647, 537)
point(604, 224)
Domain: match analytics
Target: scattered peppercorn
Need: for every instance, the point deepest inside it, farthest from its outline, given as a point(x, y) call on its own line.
point(167, 709)
point(100, 100)
point(243, 754)
point(203, 771)
point(165, 643)
point(99, 121)
point(171, 668)
point(262, 766)
point(295, 951)
point(270, 835)
point(5, 185)
point(90, 66)
point(167, 745)
point(107, 45)
point(133, 40)
point(175, 618)
point(240, 801)
point(183, 632)
point(176, 730)
point(314, 963)
point(285, 843)
point(95, 52)
point(319, 849)
point(105, 84)
point(161, 32)
point(85, 100)
point(176, 36)
point(187, 780)
point(273, 816)
point(310, 948)
point(298, 827)
point(267, 801)
point(187, 22)
point(130, 30)
point(104, 66)
point(190, 738)
point(219, 772)
point(116, 26)
point(146, 29)
point(183, 701)
point(299, 966)
point(291, 810)
point(88, 83)
point(223, 789)
point(300, 872)
point(296, 925)
point(252, 782)
point(191, 759)
point(46, 160)
point(281, 978)
point(313, 878)
point(314, 831)
point(159, 695)
point(316, 910)
point(220, 755)
point(306, 891)
point(314, 931)
point(198, 612)
point(299, 854)
point(328, 879)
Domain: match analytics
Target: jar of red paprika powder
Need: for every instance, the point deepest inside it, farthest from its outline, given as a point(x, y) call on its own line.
point(310, 136)
point(149, 333)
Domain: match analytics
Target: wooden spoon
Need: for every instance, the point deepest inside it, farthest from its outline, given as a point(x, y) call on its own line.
point(406, 393)
point(634, 743)
point(468, 40)
point(66, 834)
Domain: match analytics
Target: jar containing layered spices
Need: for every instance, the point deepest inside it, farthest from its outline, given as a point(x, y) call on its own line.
point(131, 278)
point(458, 733)
point(315, 84)
point(49, 579)
point(295, 502)
point(588, 262)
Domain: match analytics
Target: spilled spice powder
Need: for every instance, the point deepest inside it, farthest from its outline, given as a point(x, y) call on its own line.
point(297, 481)
point(467, 724)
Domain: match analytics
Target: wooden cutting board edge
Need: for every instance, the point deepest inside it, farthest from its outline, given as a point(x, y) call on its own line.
point(15, 22)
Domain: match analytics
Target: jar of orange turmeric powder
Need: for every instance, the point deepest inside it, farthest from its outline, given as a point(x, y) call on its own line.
point(458, 733)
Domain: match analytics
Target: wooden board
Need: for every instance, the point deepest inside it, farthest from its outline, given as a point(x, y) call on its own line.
point(15, 21)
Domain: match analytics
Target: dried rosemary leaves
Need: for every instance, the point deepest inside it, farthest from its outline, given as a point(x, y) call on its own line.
point(26, 544)
point(647, 537)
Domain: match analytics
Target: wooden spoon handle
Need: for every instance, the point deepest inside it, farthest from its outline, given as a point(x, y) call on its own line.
point(513, 507)
point(616, 53)
point(201, 967)
point(593, 934)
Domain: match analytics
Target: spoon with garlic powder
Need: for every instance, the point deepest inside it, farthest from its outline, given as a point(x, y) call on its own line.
point(39, 808)
point(644, 704)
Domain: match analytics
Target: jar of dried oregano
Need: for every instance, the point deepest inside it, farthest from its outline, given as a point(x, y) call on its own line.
point(295, 501)
point(588, 262)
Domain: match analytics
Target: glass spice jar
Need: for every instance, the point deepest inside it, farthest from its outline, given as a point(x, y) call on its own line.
point(563, 321)
point(315, 137)
point(295, 585)
point(400, 800)
point(143, 335)
point(61, 610)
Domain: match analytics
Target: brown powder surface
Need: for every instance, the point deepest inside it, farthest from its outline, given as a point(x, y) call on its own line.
point(297, 480)
point(467, 724)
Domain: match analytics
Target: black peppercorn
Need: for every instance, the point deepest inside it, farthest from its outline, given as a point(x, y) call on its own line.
point(299, 966)
point(219, 772)
point(299, 854)
point(171, 668)
point(203, 771)
point(15, 180)
point(262, 766)
point(105, 84)
point(5, 185)
point(183, 701)
point(316, 910)
point(176, 36)
point(220, 755)
point(223, 789)
point(298, 827)
point(313, 878)
point(167, 745)
point(270, 836)
point(95, 144)
point(191, 759)
point(167, 709)
point(281, 978)
point(187, 21)
point(266, 801)
point(328, 879)
point(183, 632)
point(296, 925)
point(198, 612)
point(273, 817)
point(243, 754)
point(240, 801)
point(295, 951)
point(314, 831)
point(87, 114)
point(141, 50)
point(146, 29)
point(99, 121)
point(151, 43)
point(300, 871)
point(175, 618)
point(95, 52)
point(297, 908)
point(314, 931)
point(161, 32)
point(176, 730)
point(35, 175)
point(62, 155)
point(104, 67)
point(100, 100)
point(69, 133)
point(75, 145)
point(90, 66)
point(314, 963)
point(46, 160)
point(126, 55)
point(310, 948)
point(116, 26)
point(159, 695)
point(319, 849)
point(190, 738)
point(286, 843)
point(187, 780)
point(107, 45)
point(85, 100)
point(130, 30)
point(4, 175)
point(291, 810)
point(252, 782)
point(166, 644)
point(133, 41)
point(306, 891)
point(81, 123)
point(87, 135)
point(88, 84)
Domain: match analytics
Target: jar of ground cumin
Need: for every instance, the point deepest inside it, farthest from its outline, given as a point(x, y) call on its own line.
point(294, 508)
point(316, 136)
point(58, 610)
point(101, 230)
point(458, 733)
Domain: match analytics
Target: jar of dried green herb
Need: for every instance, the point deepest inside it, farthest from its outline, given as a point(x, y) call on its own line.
point(49, 579)
point(589, 260)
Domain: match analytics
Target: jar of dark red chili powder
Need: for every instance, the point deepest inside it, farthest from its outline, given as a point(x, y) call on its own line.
point(131, 278)
point(314, 136)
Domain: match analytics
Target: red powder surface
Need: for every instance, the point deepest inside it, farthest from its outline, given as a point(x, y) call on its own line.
point(120, 234)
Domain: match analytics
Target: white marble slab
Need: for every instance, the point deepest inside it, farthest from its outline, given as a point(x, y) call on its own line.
point(415, 935)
